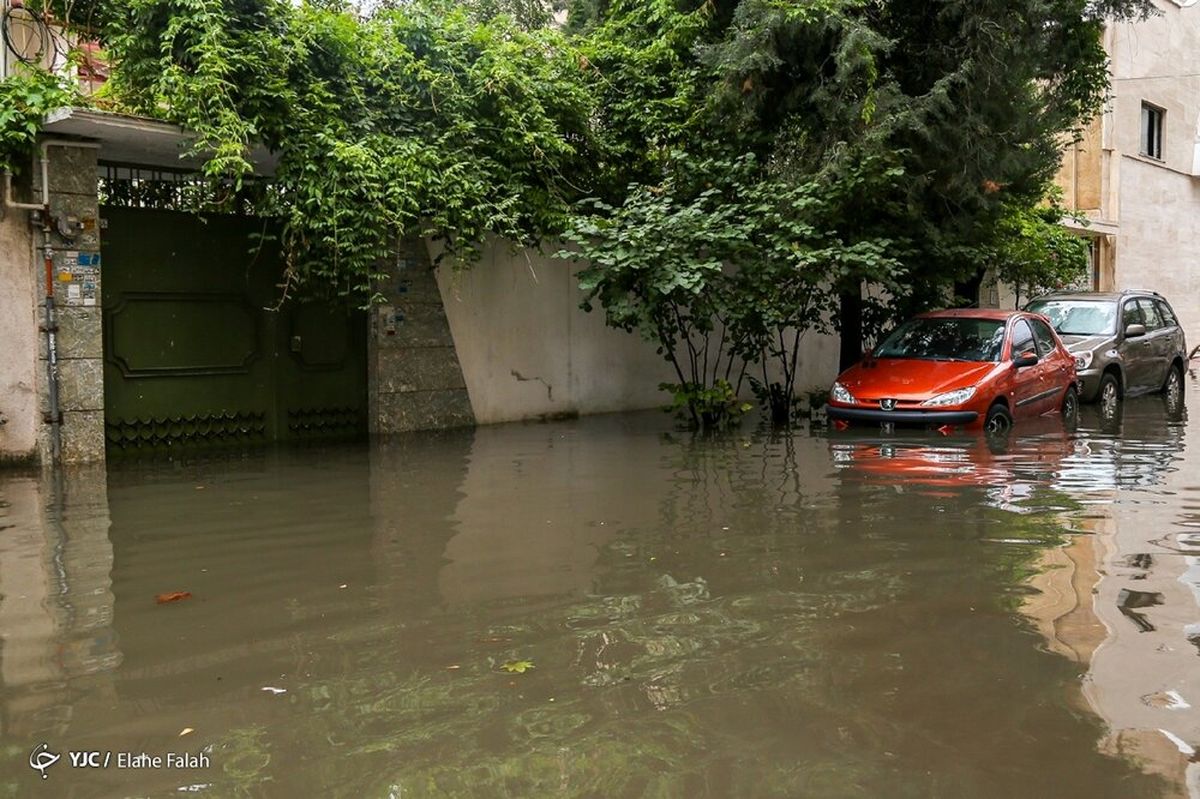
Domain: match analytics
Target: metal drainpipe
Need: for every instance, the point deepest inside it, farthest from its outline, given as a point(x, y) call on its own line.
point(50, 325)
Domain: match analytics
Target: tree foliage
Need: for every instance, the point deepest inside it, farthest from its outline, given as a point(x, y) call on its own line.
point(25, 99)
point(735, 171)
point(976, 95)
point(1033, 252)
point(424, 118)
point(723, 267)
point(911, 145)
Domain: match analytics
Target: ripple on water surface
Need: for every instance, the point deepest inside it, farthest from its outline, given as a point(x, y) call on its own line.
point(604, 607)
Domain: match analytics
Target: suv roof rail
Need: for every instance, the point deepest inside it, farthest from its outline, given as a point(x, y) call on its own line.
point(1140, 291)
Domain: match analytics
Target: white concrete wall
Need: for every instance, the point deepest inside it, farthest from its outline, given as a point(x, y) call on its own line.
point(19, 346)
point(528, 350)
point(1158, 244)
point(1155, 61)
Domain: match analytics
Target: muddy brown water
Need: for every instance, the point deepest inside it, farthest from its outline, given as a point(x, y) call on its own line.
point(611, 608)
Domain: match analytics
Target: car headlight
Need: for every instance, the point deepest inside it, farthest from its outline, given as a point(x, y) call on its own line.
point(841, 394)
point(956, 397)
point(1083, 360)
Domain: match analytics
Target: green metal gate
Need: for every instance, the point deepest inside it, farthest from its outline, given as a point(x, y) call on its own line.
point(193, 355)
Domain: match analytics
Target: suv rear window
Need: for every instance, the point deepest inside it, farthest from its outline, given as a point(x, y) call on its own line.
point(1168, 316)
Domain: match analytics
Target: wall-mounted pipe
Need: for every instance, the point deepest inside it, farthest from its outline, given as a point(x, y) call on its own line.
point(8, 197)
point(50, 323)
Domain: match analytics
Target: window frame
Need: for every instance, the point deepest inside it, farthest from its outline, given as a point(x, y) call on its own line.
point(1166, 312)
point(1123, 324)
point(1013, 351)
point(1148, 304)
point(1153, 124)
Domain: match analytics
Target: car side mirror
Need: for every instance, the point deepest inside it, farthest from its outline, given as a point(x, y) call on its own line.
point(1025, 359)
point(1133, 331)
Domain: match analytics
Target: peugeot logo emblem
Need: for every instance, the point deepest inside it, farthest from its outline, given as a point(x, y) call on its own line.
point(888, 404)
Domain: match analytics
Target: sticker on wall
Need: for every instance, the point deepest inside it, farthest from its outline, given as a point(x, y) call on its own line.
point(79, 272)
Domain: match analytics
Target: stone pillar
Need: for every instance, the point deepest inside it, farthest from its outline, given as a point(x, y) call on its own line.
point(74, 212)
point(415, 381)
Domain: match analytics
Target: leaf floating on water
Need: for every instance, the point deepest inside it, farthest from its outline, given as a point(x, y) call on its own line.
point(172, 596)
point(517, 666)
point(185, 731)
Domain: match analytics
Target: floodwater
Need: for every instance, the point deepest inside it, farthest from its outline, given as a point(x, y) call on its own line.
point(608, 607)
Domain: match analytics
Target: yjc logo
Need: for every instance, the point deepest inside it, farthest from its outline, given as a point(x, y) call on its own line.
point(41, 758)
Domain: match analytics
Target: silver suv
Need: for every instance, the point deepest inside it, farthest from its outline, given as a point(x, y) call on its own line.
point(1126, 343)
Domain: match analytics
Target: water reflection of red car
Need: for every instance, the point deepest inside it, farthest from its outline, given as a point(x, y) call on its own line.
point(964, 367)
point(1007, 468)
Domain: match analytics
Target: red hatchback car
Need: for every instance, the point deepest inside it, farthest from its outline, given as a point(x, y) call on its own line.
point(967, 367)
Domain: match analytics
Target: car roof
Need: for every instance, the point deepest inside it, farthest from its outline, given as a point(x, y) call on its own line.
point(1099, 296)
point(997, 314)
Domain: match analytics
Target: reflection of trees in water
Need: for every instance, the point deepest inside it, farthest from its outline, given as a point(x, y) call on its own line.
point(821, 645)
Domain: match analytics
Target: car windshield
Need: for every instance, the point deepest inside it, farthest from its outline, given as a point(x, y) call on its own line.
point(1078, 317)
point(945, 339)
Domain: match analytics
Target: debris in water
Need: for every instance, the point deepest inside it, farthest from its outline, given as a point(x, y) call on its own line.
point(172, 596)
point(1168, 700)
point(273, 690)
point(517, 666)
point(186, 731)
point(1128, 600)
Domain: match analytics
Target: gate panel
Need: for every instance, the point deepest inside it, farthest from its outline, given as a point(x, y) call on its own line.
point(193, 356)
point(322, 379)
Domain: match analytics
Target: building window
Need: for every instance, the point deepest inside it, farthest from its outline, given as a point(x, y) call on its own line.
point(1152, 130)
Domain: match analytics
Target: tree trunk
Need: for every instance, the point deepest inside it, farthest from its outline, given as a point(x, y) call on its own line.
point(850, 324)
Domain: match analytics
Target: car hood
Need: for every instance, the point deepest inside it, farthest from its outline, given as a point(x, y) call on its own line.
point(1083, 343)
point(911, 378)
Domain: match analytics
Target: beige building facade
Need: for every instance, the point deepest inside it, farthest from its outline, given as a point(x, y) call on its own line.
point(1135, 173)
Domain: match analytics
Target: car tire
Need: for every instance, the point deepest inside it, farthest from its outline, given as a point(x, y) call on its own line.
point(1070, 405)
point(1172, 389)
point(1109, 395)
point(999, 419)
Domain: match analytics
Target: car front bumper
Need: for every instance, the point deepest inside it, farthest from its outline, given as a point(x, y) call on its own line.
point(880, 416)
point(1088, 382)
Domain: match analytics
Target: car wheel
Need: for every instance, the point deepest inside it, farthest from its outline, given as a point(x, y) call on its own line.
point(998, 419)
point(1173, 388)
point(1070, 405)
point(1109, 395)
